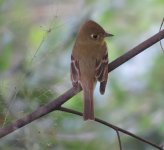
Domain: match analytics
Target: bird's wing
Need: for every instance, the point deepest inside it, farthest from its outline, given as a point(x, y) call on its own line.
point(102, 72)
point(75, 71)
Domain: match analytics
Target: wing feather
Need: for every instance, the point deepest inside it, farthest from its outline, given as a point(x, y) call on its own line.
point(75, 71)
point(102, 72)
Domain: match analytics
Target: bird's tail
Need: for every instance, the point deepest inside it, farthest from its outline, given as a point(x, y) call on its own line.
point(88, 103)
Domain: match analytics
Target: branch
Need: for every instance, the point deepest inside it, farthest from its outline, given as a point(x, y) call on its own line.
point(119, 139)
point(159, 31)
point(117, 129)
point(56, 103)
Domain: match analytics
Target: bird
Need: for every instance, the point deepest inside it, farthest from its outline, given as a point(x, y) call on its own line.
point(89, 63)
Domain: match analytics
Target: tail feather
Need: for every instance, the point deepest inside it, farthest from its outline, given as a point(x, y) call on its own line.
point(88, 104)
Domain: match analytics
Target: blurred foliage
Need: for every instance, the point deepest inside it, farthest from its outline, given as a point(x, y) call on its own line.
point(36, 39)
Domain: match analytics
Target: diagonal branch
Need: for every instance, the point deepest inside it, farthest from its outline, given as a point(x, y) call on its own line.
point(56, 103)
point(117, 129)
point(136, 50)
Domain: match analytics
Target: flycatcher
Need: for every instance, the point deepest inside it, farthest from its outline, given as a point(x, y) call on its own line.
point(89, 63)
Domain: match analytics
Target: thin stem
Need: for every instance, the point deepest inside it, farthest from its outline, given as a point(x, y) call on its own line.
point(159, 31)
point(119, 139)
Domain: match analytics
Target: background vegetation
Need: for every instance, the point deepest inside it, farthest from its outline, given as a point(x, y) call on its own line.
point(36, 39)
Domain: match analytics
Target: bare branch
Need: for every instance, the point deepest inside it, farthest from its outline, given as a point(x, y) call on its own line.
point(136, 50)
point(56, 103)
point(119, 139)
point(117, 129)
point(159, 31)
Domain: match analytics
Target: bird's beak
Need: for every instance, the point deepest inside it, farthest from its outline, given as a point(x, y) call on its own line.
point(108, 34)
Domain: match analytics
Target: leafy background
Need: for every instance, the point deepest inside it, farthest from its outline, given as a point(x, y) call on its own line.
point(36, 39)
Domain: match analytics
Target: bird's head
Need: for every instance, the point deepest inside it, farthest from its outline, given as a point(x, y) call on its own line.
point(92, 32)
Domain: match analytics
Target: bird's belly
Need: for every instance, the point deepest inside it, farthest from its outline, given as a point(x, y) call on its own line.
point(87, 68)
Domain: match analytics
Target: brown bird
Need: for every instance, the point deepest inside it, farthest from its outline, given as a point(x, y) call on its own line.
point(89, 63)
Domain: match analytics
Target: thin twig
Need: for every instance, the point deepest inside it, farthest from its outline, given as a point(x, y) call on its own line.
point(40, 45)
point(119, 139)
point(160, 42)
point(44, 37)
point(56, 103)
point(8, 106)
point(112, 126)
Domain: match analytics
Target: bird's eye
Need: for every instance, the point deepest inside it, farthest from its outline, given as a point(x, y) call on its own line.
point(94, 36)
